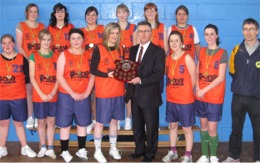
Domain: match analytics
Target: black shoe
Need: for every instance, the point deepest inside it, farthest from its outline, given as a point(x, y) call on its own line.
point(134, 156)
point(148, 159)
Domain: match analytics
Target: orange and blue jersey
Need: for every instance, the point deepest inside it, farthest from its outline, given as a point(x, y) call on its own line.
point(94, 36)
point(157, 36)
point(108, 87)
point(208, 75)
point(45, 77)
point(179, 88)
point(76, 78)
point(30, 39)
point(188, 38)
point(60, 38)
point(126, 39)
point(12, 81)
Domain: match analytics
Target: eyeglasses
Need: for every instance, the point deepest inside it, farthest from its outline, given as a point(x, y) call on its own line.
point(249, 29)
point(144, 31)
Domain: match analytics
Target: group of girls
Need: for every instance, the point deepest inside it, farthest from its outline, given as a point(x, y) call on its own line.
point(62, 80)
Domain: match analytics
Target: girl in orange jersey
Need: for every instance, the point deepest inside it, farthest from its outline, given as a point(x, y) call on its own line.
point(109, 91)
point(75, 85)
point(59, 28)
point(128, 39)
point(43, 79)
point(93, 36)
point(180, 72)
point(189, 32)
point(14, 73)
point(27, 43)
point(210, 91)
point(158, 36)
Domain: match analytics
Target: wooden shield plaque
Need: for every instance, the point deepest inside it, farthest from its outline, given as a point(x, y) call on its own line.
point(125, 70)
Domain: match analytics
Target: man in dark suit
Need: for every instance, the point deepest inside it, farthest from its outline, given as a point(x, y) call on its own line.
point(144, 92)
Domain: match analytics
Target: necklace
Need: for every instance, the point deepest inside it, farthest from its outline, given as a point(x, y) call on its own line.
point(183, 36)
point(58, 35)
point(32, 30)
point(91, 45)
point(46, 65)
point(9, 76)
point(111, 53)
point(79, 63)
point(208, 60)
point(174, 65)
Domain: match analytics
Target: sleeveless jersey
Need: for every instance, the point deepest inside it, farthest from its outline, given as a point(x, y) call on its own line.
point(12, 82)
point(94, 36)
point(76, 79)
point(127, 39)
point(108, 87)
point(179, 86)
point(206, 76)
point(157, 36)
point(45, 79)
point(60, 38)
point(30, 41)
point(188, 39)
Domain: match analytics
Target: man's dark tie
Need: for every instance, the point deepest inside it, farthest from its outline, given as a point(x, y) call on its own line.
point(140, 54)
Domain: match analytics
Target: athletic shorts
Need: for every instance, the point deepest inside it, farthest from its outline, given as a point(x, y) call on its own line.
point(213, 112)
point(43, 110)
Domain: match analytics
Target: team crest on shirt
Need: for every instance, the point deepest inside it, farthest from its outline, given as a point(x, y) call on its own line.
point(257, 64)
point(192, 35)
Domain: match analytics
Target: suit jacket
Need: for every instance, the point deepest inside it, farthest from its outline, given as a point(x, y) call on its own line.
point(151, 72)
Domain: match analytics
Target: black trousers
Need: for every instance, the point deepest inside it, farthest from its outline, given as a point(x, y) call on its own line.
point(145, 116)
point(241, 105)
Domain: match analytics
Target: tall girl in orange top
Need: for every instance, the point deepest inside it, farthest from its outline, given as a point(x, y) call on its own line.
point(180, 72)
point(59, 28)
point(93, 36)
point(14, 73)
point(109, 91)
point(127, 39)
point(43, 79)
point(75, 86)
point(210, 91)
point(159, 34)
point(27, 43)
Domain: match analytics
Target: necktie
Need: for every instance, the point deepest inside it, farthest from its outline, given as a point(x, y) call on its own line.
point(140, 54)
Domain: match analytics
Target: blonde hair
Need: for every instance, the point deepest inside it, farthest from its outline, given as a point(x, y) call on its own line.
point(109, 27)
point(42, 33)
point(122, 7)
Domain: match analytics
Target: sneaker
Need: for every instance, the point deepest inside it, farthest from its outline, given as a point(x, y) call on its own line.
point(35, 123)
point(230, 159)
point(203, 159)
point(170, 156)
point(128, 125)
point(82, 153)
point(42, 152)
point(98, 155)
point(66, 156)
point(27, 151)
point(114, 152)
point(118, 125)
point(3, 152)
point(213, 159)
point(185, 159)
point(30, 123)
point(50, 153)
point(90, 127)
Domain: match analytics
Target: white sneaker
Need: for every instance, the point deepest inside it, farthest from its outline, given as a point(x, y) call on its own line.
point(35, 123)
point(3, 152)
point(82, 153)
point(30, 123)
point(128, 125)
point(90, 127)
point(213, 159)
point(185, 159)
point(170, 156)
point(27, 151)
point(203, 159)
point(66, 156)
point(50, 153)
point(42, 152)
point(114, 152)
point(230, 159)
point(118, 125)
point(98, 155)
